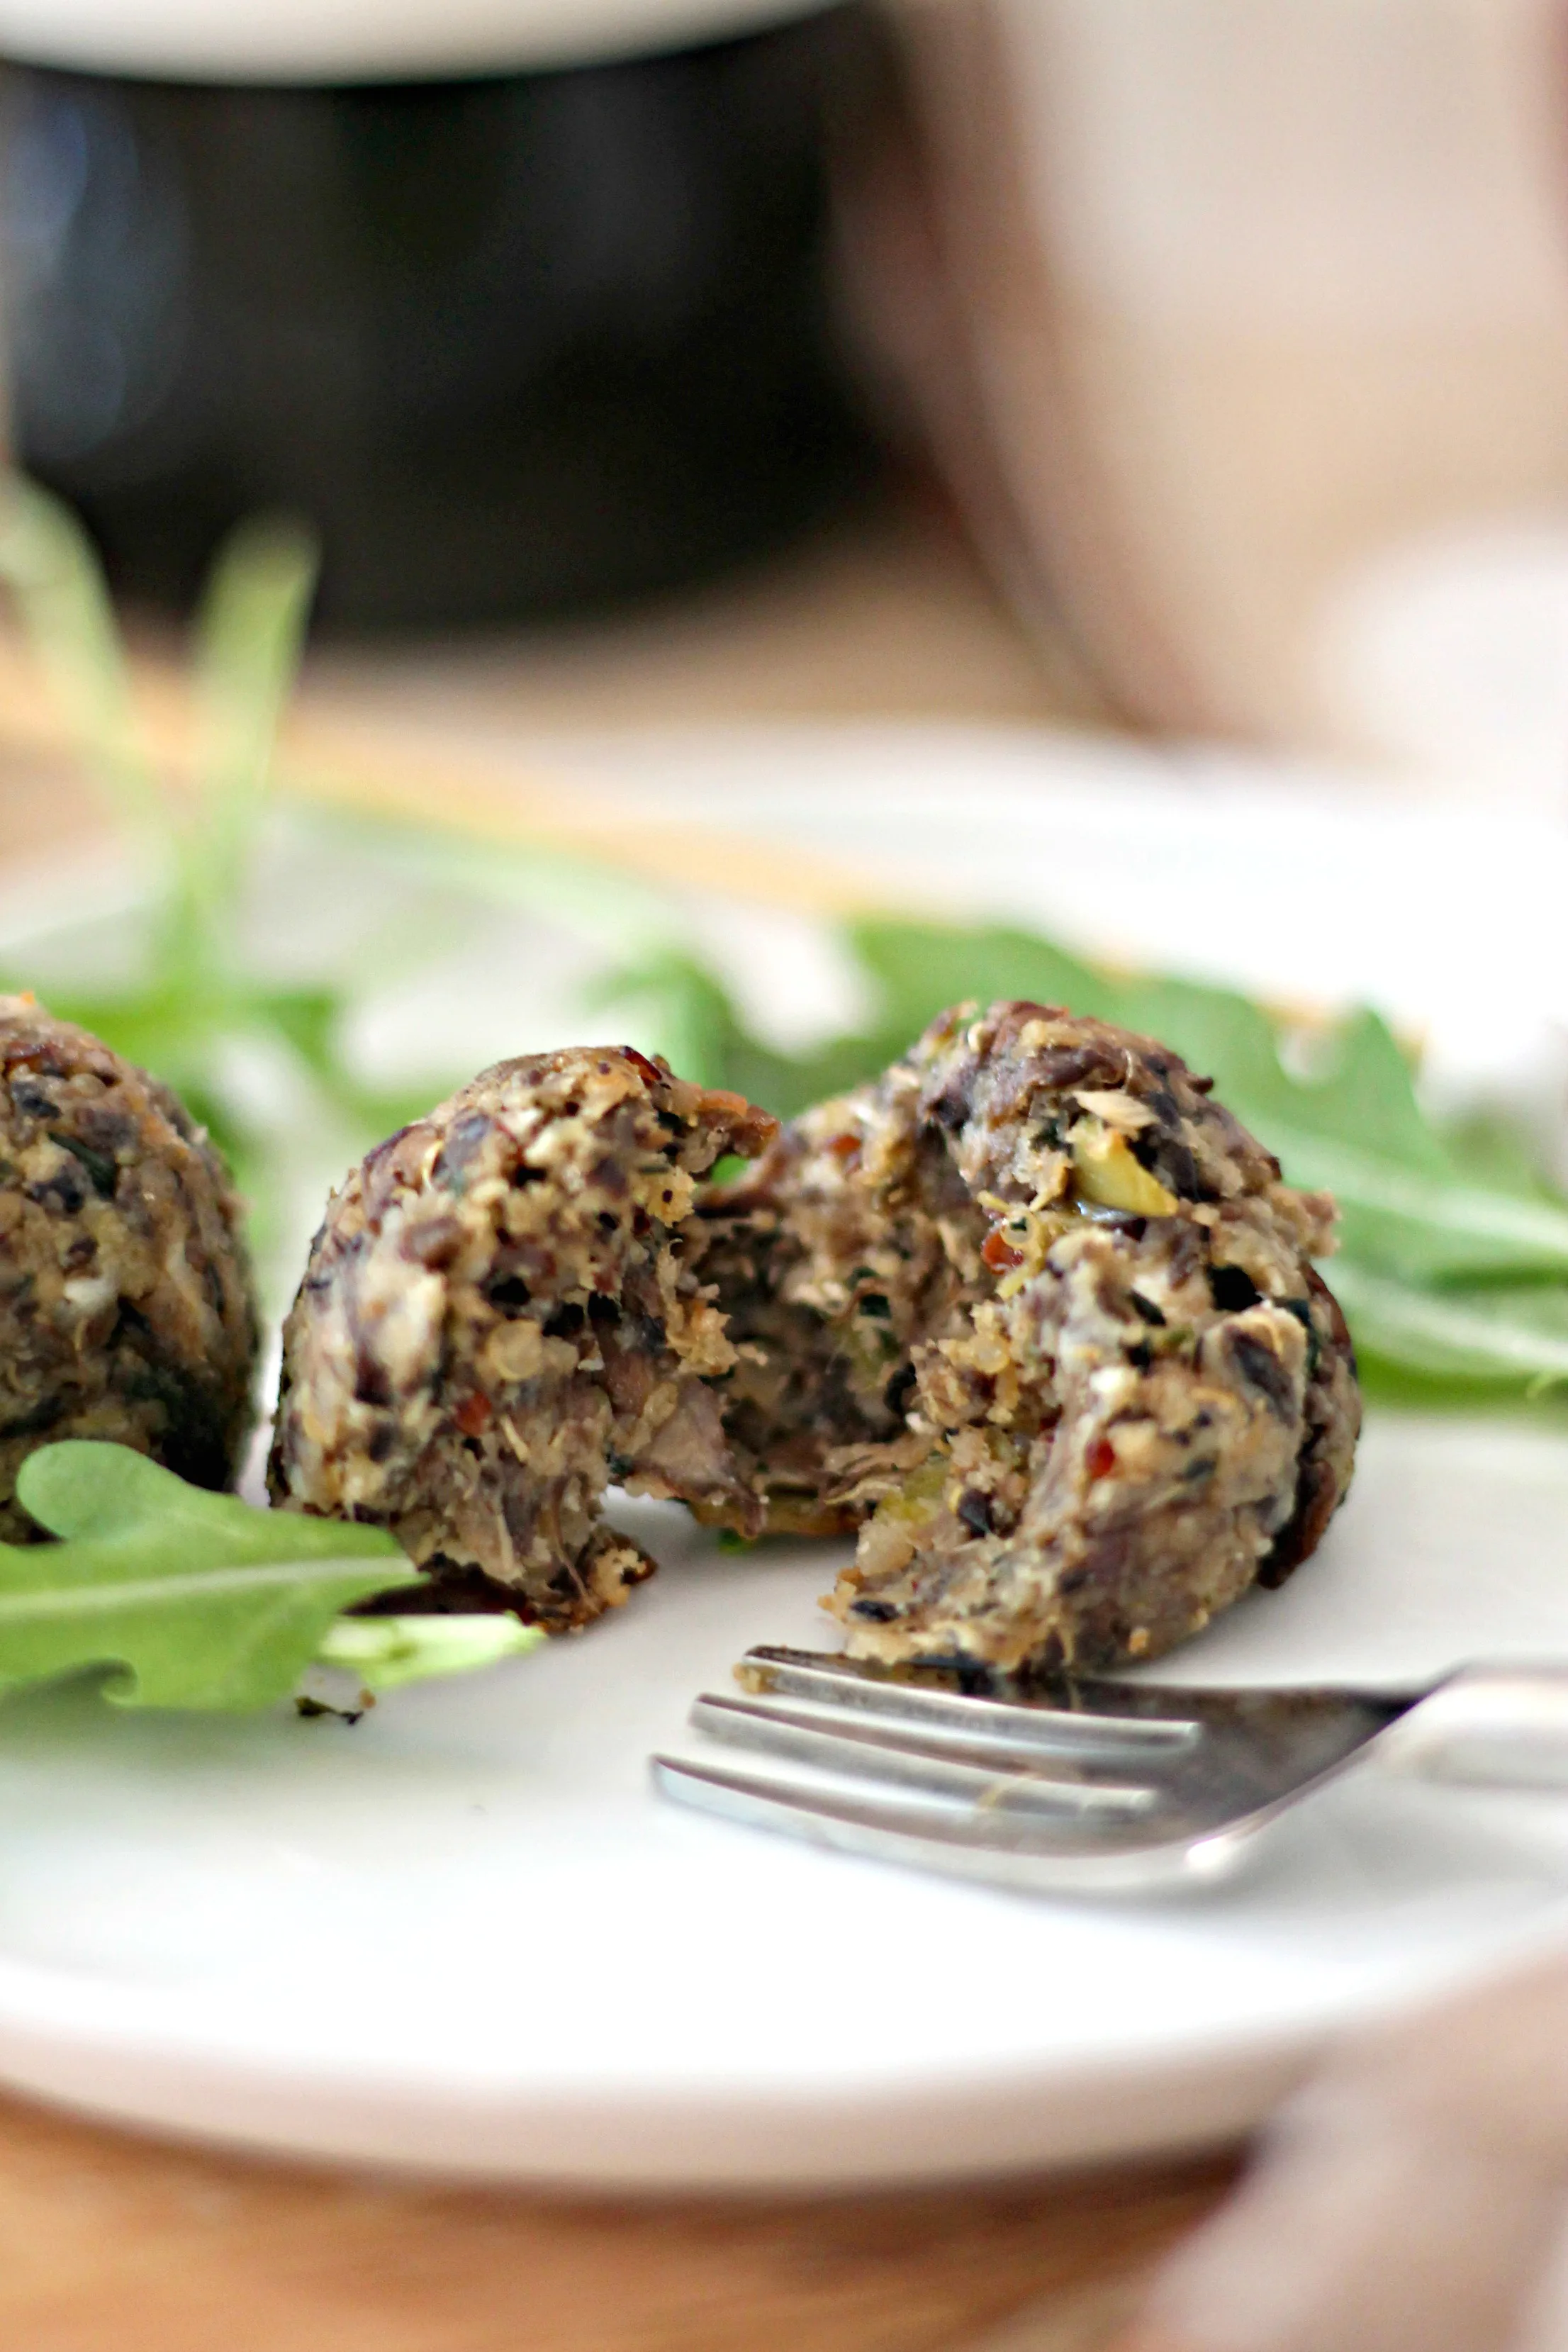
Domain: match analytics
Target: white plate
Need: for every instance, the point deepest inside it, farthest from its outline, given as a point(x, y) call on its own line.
point(342, 40)
point(465, 1935)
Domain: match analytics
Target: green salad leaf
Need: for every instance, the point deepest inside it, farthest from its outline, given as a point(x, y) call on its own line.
point(383, 1654)
point(191, 1599)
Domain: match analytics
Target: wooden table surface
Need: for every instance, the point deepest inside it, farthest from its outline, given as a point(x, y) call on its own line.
point(108, 2239)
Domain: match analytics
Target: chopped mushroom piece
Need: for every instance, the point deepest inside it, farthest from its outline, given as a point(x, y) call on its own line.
point(498, 1320)
point(1040, 1318)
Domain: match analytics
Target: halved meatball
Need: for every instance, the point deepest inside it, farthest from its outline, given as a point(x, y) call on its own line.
point(126, 1306)
point(1040, 1318)
point(498, 1319)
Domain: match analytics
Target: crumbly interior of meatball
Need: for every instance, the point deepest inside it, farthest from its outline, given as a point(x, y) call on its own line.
point(499, 1319)
point(126, 1309)
point(1039, 1316)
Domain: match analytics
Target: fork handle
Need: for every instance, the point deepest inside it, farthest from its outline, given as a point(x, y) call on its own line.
point(1503, 1727)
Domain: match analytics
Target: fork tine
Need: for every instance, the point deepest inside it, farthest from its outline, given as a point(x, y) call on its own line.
point(1025, 1851)
point(957, 1742)
point(861, 1751)
point(843, 1683)
point(1123, 1787)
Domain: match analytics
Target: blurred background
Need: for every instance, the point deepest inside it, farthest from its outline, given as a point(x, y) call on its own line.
point(1222, 345)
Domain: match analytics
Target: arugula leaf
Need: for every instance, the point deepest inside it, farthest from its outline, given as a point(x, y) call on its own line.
point(48, 562)
point(386, 1653)
point(686, 1015)
point(191, 999)
point(1426, 1227)
point(1489, 1337)
point(194, 1600)
point(928, 966)
point(250, 633)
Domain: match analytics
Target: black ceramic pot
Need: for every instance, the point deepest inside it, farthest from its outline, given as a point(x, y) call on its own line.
point(517, 345)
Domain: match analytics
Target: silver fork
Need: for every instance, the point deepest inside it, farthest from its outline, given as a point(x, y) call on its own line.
point(1096, 1787)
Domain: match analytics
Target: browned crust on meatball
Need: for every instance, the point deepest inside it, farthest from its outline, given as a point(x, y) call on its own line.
point(1039, 1316)
point(498, 1319)
point(126, 1306)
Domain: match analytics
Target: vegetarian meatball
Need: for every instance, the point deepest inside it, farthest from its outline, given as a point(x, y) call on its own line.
point(126, 1309)
point(499, 1319)
point(1040, 1318)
